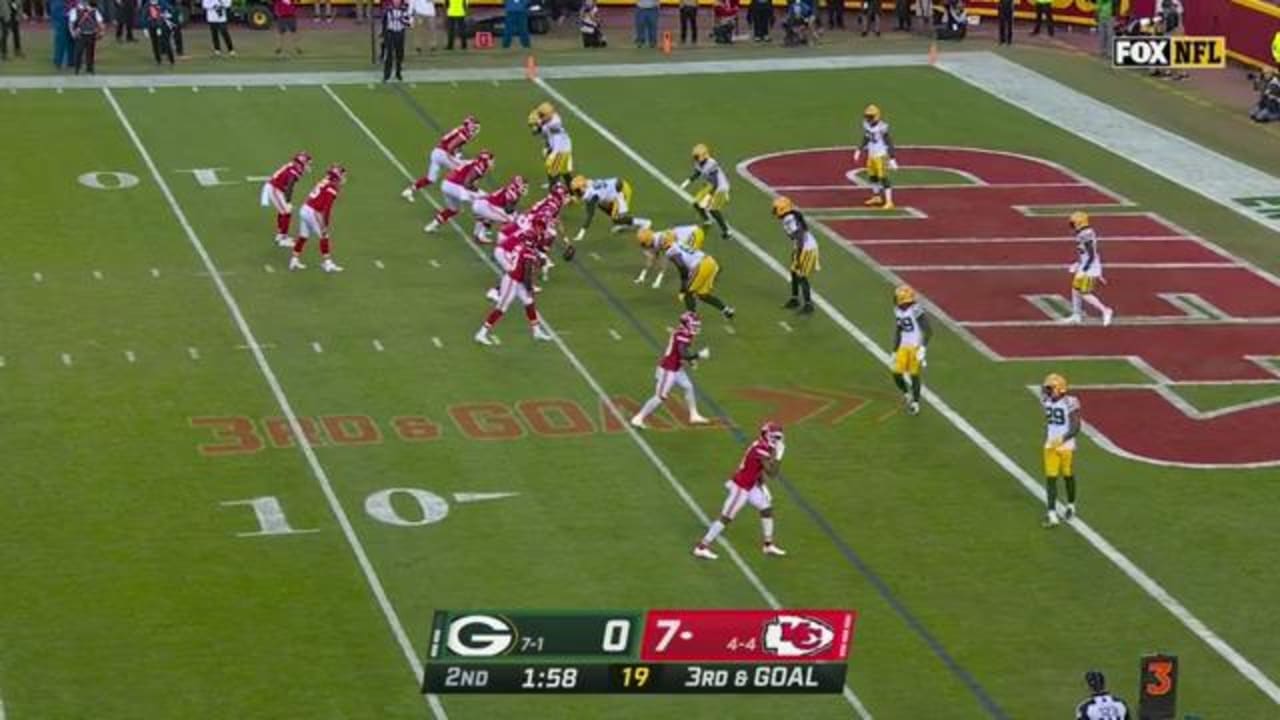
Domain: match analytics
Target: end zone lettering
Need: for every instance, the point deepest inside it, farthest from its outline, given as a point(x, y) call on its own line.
point(1170, 52)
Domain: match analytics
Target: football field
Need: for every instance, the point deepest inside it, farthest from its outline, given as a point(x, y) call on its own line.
point(237, 491)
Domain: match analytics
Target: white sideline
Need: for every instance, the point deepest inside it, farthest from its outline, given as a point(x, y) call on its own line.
point(604, 397)
point(1152, 588)
point(300, 438)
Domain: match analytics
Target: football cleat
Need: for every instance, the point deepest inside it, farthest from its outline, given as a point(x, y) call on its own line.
point(284, 241)
point(728, 312)
point(913, 408)
point(704, 552)
point(1050, 520)
point(492, 295)
point(431, 227)
point(1107, 315)
point(791, 304)
point(807, 309)
point(873, 200)
point(540, 333)
point(637, 421)
point(407, 193)
point(330, 266)
point(771, 549)
point(1071, 319)
point(888, 205)
point(482, 337)
point(697, 419)
point(1070, 511)
point(296, 264)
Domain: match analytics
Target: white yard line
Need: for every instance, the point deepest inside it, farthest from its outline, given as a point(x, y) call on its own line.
point(286, 407)
point(645, 448)
point(1152, 588)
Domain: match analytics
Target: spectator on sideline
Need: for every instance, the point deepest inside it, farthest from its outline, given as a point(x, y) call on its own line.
point(760, 17)
point(215, 14)
point(870, 15)
point(61, 34)
point(902, 12)
point(589, 24)
point(924, 11)
point(158, 23)
point(176, 20)
point(424, 22)
point(322, 11)
point(688, 21)
point(86, 28)
point(363, 11)
point(9, 19)
point(1005, 14)
point(126, 18)
point(1106, 26)
point(286, 24)
point(953, 22)
point(396, 18)
point(1044, 11)
point(34, 9)
point(515, 21)
point(456, 22)
point(1268, 86)
point(647, 23)
point(835, 14)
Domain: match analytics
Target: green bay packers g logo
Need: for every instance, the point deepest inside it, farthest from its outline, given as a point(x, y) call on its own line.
point(480, 636)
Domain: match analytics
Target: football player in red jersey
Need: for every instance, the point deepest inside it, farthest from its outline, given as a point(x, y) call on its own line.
point(759, 462)
point(517, 281)
point(446, 155)
point(277, 193)
point(520, 231)
point(671, 370)
point(460, 188)
point(317, 216)
point(497, 207)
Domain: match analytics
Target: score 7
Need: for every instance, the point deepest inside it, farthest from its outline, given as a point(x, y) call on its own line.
point(669, 626)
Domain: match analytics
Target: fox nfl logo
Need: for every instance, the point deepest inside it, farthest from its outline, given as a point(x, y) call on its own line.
point(1170, 52)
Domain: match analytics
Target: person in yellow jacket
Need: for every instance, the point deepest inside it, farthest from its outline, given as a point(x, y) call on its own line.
point(456, 22)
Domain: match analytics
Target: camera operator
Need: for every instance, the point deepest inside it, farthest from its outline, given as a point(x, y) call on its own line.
point(1268, 86)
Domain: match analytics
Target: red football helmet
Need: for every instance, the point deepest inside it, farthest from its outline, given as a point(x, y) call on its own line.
point(771, 433)
point(560, 191)
point(518, 184)
point(471, 125)
point(336, 173)
point(303, 160)
point(485, 158)
point(690, 321)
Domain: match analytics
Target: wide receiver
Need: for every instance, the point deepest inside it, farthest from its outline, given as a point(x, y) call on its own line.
point(445, 156)
point(317, 217)
point(517, 282)
point(557, 146)
point(655, 245)
point(498, 207)
point(671, 371)
point(1062, 424)
point(611, 195)
point(277, 193)
point(713, 196)
point(911, 335)
point(1086, 271)
point(759, 462)
point(878, 146)
point(804, 253)
point(460, 187)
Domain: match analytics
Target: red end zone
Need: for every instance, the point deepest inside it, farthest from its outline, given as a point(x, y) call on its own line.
point(1187, 311)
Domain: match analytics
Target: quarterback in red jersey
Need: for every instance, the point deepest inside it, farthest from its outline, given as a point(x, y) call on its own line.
point(759, 462)
point(511, 237)
point(671, 370)
point(497, 207)
point(277, 193)
point(460, 188)
point(517, 281)
point(446, 155)
point(317, 217)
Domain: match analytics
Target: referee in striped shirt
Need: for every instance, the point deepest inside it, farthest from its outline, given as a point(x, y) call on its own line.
point(1100, 705)
point(395, 20)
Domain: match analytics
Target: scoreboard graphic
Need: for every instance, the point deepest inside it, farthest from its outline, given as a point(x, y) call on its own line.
point(639, 652)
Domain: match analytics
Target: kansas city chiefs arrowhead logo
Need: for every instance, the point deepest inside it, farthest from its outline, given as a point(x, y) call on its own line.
point(796, 636)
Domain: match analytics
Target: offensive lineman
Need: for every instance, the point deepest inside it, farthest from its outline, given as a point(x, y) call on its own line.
point(713, 196)
point(804, 253)
point(1086, 271)
point(759, 462)
point(671, 371)
point(911, 335)
point(460, 187)
point(445, 156)
point(1062, 424)
point(879, 148)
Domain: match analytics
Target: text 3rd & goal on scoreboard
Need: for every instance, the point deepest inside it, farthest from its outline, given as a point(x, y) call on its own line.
point(639, 652)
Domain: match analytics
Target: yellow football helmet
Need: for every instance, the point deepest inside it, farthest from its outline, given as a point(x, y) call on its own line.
point(578, 185)
point(533, 119)
point(644, 236)
point(904, 295)
point(545, 110)
point(1055, 385)
point(701, 152)
point(871, 113)
point(782, 205)
point(1079, 220)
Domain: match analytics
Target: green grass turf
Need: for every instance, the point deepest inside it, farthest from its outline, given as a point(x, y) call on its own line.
point(125, 556)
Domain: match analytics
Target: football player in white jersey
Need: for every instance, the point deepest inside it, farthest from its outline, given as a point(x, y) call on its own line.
point(804, 253)
point(557, 146)
point(1086, 272)
point(611, 195)
point(878, 146)
point(713, 196)
point(1062, 424)
point(656, 244)
point(1100, 705)
point(911, 335)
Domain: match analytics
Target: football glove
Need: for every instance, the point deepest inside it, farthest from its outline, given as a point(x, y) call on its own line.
point(857, 155)
point(779, 450)
point(893, 164)
point(569, 252)
point(920, 353)
point(704, 353)
point(1075, 267)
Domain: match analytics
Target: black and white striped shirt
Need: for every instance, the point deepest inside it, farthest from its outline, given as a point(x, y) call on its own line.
point(1102, 706)
point(396, 19)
